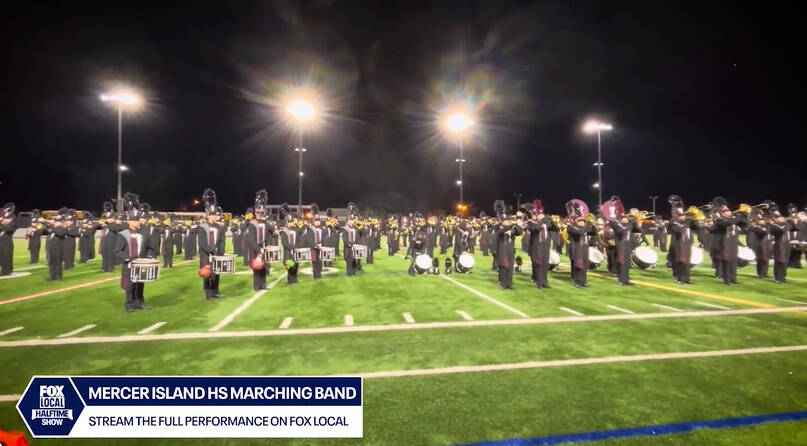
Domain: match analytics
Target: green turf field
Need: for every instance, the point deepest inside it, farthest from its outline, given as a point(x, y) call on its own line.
point(457, 326)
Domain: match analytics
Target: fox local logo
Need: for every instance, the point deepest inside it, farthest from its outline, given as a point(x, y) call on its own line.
point(50, 406)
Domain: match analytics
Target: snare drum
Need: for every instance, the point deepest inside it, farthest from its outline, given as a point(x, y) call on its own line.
point(144, 270)
point(302, 255)
point(745, 255)
point(327, 254)
point(644, 257)
point(594, 258)
point(271, 254)
point(222, 264)
point(465, 263)
point(360, 253)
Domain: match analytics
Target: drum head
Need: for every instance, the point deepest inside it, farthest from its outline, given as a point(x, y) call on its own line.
point(423, 261)
point(554, 257)
point(646, 255)
point(746, 253)
point(696, 257)
point(467, 260)
point(594, 256)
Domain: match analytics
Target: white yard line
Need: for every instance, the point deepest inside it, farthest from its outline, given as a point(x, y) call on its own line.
point(348, 320)
point(151, 328)
point(706, 304)
point(76, 331)
point(465, 315)
point(667, 307)
point(621, 310)
point(408, 318)
point(9, 398)
point(243, 307)
point(10, 330)
point(582, 361)
point(29, 268)
point(396, 327)
point(570, 311)
point(792, 301)
point(486, 297)
point(286, 323)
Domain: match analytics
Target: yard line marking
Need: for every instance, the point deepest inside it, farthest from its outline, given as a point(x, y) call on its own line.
point(29, 268)
point(581, 361)
point(706, 304)
point(621, 310)
point(77, 331)
point(750, 303)
point(397, 327)
point(348, 320)
point(667, 307)
point(792, 301)
point(570, 311)
point(9, 398)
point(10, 330)
point(286, 323)
point(69, 288)
point(243, 307)
point(486, 297)
point(465, 315)
point(151, 328)
point(408, 318)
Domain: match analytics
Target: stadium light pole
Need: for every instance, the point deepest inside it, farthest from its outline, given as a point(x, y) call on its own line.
point(457, 125)
point(653, 198)
point(302, 112)
point(599, 127)
point(121, 99)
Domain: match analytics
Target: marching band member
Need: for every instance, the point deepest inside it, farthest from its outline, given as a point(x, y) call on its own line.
point(540, 227)
point(289, 240)
point(178, 234)
point(505, 252)
point(780, 230)
point(69, 242)
point(350, 237)
point(392, 236)
point(167, 243)
point(8, 224)
point(131, 244)
point(106, 245)
point(461, 235)
point(314, 240)
point(34, 235)
point(210, 238)
point(759, 239)
point(419, 243)
point(793, 221)
point(86, 241)
point(190, 239)
point(623, 227)
point(725, 235)
point(580, 230)
point(255, 239)
point(249, 216)
point(53, 246)
point(681, 228)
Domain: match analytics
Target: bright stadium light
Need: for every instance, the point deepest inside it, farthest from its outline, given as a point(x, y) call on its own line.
point(596, 185)
point(123, 168)
point(122, 99)
point(301, 110)
point(457, 123)
point(598, 127)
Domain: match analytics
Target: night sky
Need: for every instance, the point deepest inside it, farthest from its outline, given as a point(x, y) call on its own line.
point(707, 98)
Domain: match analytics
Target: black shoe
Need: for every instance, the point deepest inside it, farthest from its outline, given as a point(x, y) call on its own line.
point(679, 282)
point(130, 309)
point(622, 284)
point(144, 306)
point(629, 283)
point(547, 286)
point(576, 285)
point(586, 285)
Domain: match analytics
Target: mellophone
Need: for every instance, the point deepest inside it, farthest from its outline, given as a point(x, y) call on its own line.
point(144, 270)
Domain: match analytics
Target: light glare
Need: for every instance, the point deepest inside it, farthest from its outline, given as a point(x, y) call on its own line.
point(597, 126)
point(301, 110)
point(458, 122)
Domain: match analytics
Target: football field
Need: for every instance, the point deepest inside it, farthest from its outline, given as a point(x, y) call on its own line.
point(448, 359)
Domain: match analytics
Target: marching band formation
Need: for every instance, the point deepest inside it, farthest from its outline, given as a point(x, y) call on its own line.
point(134, 237)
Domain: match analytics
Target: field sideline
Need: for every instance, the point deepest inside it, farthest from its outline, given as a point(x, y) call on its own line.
point(447, 360)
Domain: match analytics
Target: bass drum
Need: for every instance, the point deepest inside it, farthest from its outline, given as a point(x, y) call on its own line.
point(745, 255)
point(554, 260)
point(594, 258)
point(644, 257)
point(465, 263)
point(423, 263)
point(696, 256)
